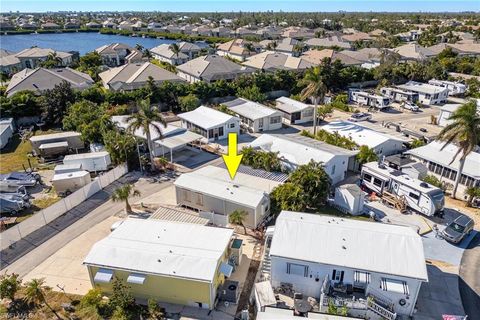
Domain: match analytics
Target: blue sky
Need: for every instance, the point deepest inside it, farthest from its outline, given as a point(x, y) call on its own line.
point(237, 5)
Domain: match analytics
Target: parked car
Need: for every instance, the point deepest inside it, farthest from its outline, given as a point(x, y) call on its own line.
point(10, 206)
point(410, 106)
point(458, 229)
point(360, 116)
point(20, 179)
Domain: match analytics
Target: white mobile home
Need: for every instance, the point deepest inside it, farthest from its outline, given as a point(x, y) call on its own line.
point(298, 150)
point(383, 144)
point(369, 99)
point(6, 131)
point(445, 112)
point(317, 254)
point(427, 93)
point(454, 88)
point(92, 161)
point(294, 111)
point(61, 141)
point(210, 123)
point(419, 196)
point(255, 116)
point(399, 95)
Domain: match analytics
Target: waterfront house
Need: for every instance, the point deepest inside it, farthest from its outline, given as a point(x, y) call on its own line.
point(165, 54)
point(238, 49)
point(114, 54)
point(33, 57)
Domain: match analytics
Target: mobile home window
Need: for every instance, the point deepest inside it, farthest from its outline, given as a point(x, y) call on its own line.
point(186, 195)
point(414, 196)
point(297, 269)
point(377, 182)
point(367, 177)
point(276, 119)
point(199, 198)
point(232, 125)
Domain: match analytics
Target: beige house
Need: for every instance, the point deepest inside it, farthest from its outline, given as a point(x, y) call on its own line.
point(273, 61)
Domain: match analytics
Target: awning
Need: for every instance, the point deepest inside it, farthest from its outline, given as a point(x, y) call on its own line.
point(136, 278)
point(226, 269)
point(179, 139)
point(62, 144)
point(361, 277)
point(392, 285)
point(103, 276)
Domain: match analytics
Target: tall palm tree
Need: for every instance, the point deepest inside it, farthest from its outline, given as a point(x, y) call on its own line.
point(238, 217)
point(249, 47)
point(315, 89)
point(147, 119)
point(175, 49)
point(464, 131)
point(35, 293)
point(213, 47)
point(123, 193)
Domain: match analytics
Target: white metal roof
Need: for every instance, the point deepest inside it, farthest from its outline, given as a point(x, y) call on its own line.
point(359, 134)
point(174, 249)
point(179, 139)
point(57, 135)
point(450, 107)
point(290, 105)
point(251, 110)
point(206, 118)
point(432, 152)
point(422, 87)
point(51, 145)
point(370, 246)
point(178, 215)
point(88, 155)
point(122, 122)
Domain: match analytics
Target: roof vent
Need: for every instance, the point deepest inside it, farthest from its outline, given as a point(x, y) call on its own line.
point(158, 260)
point(236, 186)
point(382, 166)
point(344, 248)
point(424, 184)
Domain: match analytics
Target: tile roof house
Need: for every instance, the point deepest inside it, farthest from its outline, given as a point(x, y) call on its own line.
point(413, 51)
point(238, 49)
point(41, 79)
point(165, 54)
point(328, 42)
point(135, 75)
point(33, 57)
point(211, 68)
point(114, 54)
point(316, 56)
point(273, 61)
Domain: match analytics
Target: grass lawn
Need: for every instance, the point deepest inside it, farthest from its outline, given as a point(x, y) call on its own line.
point(15, 154)
point(331, 211)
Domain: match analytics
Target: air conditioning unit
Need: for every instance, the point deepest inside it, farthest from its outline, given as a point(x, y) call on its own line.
point(236, 250)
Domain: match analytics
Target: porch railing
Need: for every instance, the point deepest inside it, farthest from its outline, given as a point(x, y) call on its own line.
point(380, 310)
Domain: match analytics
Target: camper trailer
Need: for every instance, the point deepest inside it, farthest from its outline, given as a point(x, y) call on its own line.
point(454, 88)
point(66, 183)
point(93, 161)
point(419, 196)
point(369, 99)
point(399, 95)
point(55, 144)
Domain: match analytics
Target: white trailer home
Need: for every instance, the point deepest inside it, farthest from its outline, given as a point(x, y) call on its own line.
point(92, 162)
point(454, 88)
point(66, 183)
point(369, 99)
point(56, 143)
point(419, 196)
point(294, 112)
point(212, 124)
point(427, 93)
point(255, 117)
point(319, 255)
point(399, 95)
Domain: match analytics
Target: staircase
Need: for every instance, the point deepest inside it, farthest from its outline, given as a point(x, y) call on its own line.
point(378, 309)
point(266, 267)
point(399, 203)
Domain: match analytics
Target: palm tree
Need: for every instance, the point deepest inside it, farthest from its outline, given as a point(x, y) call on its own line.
point(366, 154)
point(139, 47)
point(472, 193)
point(146, 119)
point(123, 193)
point(464, 131)
point(249, 47)
point(175, 49)
point(35, 293)
point(315, 89)
point(238, 217)
point(213, 46)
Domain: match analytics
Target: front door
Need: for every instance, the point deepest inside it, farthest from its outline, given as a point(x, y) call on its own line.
point(295, 116)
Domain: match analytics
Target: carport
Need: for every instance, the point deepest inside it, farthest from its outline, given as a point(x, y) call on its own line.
point(174, 142)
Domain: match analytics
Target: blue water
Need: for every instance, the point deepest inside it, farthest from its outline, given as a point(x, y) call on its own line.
point(82, 42)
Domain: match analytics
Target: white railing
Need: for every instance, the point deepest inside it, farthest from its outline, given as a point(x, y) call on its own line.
point(216, 219)
point(378, 309)
point(47, 215)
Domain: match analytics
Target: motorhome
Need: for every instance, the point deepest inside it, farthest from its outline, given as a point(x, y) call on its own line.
point(369, 99)
point(419, 196)
point(454, 88)
point(399, 95)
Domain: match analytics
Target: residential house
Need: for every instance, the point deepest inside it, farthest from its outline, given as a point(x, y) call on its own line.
point(316, 57)
point(293, 111)
point(71, 25)
point(6, 131)
point(244, 31)
point(28, 26)
point(270, 61)
point(171, 262)
point(328, 42)
point(212, 124)
point(165, 54)
point(369, 57)
point(190, 49)
point(93, 25)
point(296, 150)
point(254, 116)
point(9, 63)
point(298, 33)
point(409, 36)
point(413, 51)
point(132, 76)
point(40, 79)
point(357, 37)
point(202, 31)
point(211, 190)
point(221, 32)
point(269, 32)
point(378, 33)
point(211, 68)
point(383, 263)
point(383, 144)
point(50, 26)
point(109, 24)
point(446, 112)
point(438, 158)
point(114, 54)
point(427, 94)
point(238, 49)
point(33, 57)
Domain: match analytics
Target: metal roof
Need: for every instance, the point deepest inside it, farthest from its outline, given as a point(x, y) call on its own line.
point(178, 215)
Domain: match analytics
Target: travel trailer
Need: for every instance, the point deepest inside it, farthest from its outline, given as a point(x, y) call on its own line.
point(454, 88)
point(369, 99)
point(66, 183)
point(92, 161)
point(419, 196)
point(399, 95)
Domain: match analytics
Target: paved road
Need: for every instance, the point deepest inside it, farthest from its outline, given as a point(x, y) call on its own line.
point(469, 280)
point(28, 254)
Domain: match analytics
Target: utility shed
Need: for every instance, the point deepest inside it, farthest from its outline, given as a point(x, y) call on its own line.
point(350, 198)
point(73, 141)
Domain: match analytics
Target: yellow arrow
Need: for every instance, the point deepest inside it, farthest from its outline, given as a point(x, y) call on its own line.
point(232, 159)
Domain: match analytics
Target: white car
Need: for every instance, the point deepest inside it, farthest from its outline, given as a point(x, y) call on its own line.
point(410, 106)
point(360, 116)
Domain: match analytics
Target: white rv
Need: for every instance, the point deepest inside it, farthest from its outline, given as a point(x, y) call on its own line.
point(454, 88)
point(399, 95)
point(420, 196)
point(92, 161)
point(369, 99)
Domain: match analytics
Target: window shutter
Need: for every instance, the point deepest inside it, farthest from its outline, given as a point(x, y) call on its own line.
point(341, 276)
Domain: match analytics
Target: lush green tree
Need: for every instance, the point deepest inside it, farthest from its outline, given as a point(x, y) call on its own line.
point(57, 101)
point(21, 104)
point(324, 111)
point(154, 310)
point(147, 119)
point(257, 159)
point(92, 300)
point(121, 298)
point(252, 93)
point(88, 118)
point(464, 131)
point(287, 196)
point(9, 285)
point(35, 292)
point(90, 63)
point(315, 89)
point(417, 143)
point(238, 217)
point(120, 145)
point(472, 193)
point(366, 154)
point(314, 182)
point(123, 193)
point(175, 49)
point(189, 102)
point(52, 61)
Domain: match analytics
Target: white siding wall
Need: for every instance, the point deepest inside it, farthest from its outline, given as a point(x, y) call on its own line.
point(336, 168)
point(388, 148)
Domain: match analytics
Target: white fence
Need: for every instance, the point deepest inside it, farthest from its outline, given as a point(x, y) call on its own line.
point(216, 219)
point(49, 214)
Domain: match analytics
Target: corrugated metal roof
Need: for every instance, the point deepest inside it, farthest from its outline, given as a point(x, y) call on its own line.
point(177, 215)
point(274, 176)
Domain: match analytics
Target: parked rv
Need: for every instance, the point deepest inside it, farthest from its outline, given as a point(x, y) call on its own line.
point(369, 99)
point(399, 95)
point(67, 183)
point(454, 88)
point(419, 196)
point(92, 162)
point(66, 168)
